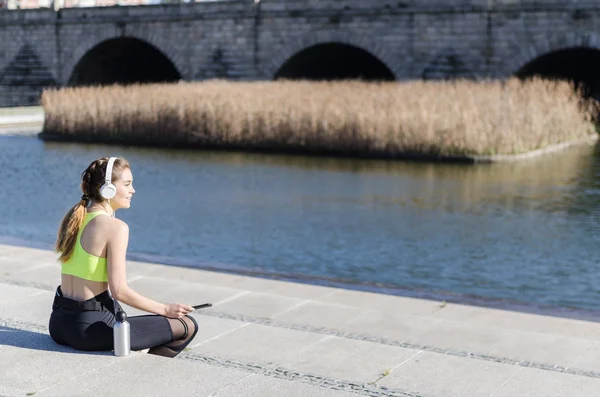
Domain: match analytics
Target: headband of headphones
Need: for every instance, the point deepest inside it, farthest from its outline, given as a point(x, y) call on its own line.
point(109, 168)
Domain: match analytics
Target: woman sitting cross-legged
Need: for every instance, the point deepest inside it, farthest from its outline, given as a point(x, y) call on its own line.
point(92, 244)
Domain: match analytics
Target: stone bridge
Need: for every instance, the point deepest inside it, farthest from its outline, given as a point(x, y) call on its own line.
point(315, 39)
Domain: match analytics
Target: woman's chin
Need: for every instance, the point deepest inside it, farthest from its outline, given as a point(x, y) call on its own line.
point(125, 204)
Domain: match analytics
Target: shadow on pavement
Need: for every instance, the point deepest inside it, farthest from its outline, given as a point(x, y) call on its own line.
point(37, 341)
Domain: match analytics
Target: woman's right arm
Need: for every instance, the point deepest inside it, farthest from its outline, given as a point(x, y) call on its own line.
point(117, 276)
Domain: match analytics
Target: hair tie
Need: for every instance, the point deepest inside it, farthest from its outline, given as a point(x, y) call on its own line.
point(85, 197)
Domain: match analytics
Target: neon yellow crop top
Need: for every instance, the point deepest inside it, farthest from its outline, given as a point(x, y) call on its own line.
point(83, 265)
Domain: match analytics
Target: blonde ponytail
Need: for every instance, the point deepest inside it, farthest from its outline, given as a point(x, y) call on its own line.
point(68, 230)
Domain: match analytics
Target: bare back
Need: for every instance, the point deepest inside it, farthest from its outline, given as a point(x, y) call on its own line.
point(94, 241)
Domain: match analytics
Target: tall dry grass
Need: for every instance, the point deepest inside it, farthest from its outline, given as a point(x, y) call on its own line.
point(433, 118)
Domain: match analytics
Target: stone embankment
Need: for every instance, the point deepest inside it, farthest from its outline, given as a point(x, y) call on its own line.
point(274, 338)
point(21, 120)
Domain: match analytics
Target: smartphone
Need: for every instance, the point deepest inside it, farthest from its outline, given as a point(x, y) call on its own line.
point(202, 306)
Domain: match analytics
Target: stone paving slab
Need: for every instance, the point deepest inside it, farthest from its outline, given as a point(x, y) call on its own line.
point(435, 375)
point(213, 328)
point(34, 309)
point(392, 325)
point(11, 391)
point(28, 255)
point(520, 345)
point(591, 359)
point(257, 386)
point(46, 274)
point(529, 382)
point(383, 303)
point(520, 321)
point(31, 361)
point(342, 358)
point(178, 291)
point(147, 375)
point(282, 288)
point(259, 304)
point(320, 314)
point(13, 293)
point(259, 344)
point(11, 266)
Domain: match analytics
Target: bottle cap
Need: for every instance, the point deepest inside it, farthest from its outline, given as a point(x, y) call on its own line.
point(121, 316)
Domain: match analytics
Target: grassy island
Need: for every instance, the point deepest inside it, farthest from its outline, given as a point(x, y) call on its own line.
point(440, 119)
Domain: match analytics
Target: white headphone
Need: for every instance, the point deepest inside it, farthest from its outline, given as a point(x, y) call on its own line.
point(108, 190)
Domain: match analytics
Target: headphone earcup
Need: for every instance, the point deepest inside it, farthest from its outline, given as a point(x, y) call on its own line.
point(108, 191)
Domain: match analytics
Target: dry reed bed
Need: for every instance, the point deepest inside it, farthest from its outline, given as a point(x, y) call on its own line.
point(429, 118)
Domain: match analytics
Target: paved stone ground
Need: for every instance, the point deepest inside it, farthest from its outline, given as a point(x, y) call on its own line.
point(274, 338)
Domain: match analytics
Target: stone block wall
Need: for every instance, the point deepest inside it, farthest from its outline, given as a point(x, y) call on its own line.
point(244, 40)
point(27, 56)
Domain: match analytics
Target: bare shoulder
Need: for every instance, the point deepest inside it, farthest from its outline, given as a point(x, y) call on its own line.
point(112, 226)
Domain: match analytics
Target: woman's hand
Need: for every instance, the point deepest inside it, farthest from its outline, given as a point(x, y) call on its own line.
point(177, 310)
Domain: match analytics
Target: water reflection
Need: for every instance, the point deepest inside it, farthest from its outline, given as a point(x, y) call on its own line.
point(521, 231)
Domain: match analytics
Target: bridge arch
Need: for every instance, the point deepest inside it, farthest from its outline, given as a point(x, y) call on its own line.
point(123, 60)
point(574, 57)
point(579, 65)
point(334, 61)
point(91, 42)
point(375, 56)
point(553, 44)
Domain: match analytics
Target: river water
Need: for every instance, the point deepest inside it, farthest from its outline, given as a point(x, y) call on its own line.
point(523, 232)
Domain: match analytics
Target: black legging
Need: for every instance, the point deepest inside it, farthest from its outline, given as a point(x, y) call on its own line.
point(92, 330)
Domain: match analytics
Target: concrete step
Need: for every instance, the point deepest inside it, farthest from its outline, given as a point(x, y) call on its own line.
point(298, 300)
point(537, 338)
point(370, 344)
